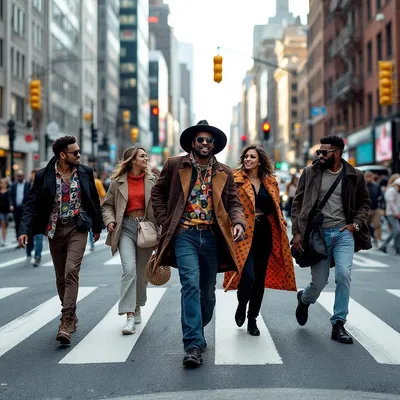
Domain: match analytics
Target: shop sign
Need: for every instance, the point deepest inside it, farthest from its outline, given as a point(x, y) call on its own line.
point(383, 142)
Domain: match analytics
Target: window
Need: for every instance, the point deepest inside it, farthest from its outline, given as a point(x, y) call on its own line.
point(370, 107)
point(294, 86)
point(377, 102)
point(18, 20)
point(17, 107)
point(389, 40)
point(378, 4)
point(22, 75)
point(354, 116)
point(127, 3)
point(369, 10)
point(12, 62)
point(127, 67)
point(379, 46)
point(1, 52)
point(1, 97)
point(1, 10)
point(369, 59)
point(361, 106)
point(127, 19)
point(128, 83)
point(38, 4)
point(127, 35)
point(294, 100)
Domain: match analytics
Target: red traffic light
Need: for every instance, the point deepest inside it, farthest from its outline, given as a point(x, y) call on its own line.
point(244, 138)
point(266, 127)
point(155, 111)
point(28, 138)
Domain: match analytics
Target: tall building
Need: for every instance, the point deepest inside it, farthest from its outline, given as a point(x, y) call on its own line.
point(291, 51)
point(108, 76)
point(315, 76)
point(134, 70)
point(23, 49)
point(186, 95)
point(358, 34)
point(186, 58)
point(166, 42)
point(235, 144)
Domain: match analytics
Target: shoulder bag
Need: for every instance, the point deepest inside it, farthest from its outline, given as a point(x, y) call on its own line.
point(147, 233)
point(314, 244)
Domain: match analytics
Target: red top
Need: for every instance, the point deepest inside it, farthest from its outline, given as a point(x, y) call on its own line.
point(135, 193)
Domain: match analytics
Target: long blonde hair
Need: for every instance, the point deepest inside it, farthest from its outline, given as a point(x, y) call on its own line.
point(125, 165)
point(393, 178)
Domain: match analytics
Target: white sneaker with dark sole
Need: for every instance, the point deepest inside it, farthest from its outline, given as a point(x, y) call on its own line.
point(138, 316)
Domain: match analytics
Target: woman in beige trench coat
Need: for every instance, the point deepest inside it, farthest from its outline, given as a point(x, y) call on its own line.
point(126, 203)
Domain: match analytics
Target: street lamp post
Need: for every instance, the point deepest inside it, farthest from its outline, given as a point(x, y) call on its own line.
point(11, 139)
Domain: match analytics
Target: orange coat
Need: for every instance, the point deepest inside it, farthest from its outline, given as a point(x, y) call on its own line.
point(280, 269)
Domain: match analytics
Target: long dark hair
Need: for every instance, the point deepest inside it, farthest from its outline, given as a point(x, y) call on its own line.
point(266, 167)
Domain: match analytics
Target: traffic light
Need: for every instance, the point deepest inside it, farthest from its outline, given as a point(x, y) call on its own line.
point(134, 134)
point(154, 110)
point(95, 136)
point(218, 69)
point(35, 94)
point(244, 140)
point(385, 83)
point(126, 116)
point(266, 128)
point(11, 131)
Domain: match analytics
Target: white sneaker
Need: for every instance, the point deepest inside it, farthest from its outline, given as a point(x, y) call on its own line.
point(138, 316)
point(129, 328)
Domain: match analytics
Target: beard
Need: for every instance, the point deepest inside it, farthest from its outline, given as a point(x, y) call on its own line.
point(200, 155)
point(328, 164)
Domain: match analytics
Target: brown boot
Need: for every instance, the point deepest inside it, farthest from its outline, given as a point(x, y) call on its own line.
point(74, 324)
point(64, 335)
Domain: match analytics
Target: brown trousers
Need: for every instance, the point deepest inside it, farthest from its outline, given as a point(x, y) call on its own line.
point(67, 249)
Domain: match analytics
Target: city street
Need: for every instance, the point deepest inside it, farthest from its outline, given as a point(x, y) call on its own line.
point(101, 363)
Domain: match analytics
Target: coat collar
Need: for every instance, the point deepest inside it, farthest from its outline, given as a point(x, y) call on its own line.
point(187, 163)
point(123, 187)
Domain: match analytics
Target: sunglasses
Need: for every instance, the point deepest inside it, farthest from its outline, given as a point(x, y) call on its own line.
point(202, 139)
point(75, 153)
point(324, 152)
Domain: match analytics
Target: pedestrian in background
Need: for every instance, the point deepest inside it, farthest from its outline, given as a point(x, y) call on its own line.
point(344, 228)
point(102, 194)
point(62, 204)
point(264, 258)
point(375, 214)
point(291, 191)
point(36, 241)
point(19, 192)
point(392, 198)
point(4, 209)
point(127, 202)
point(195, 201)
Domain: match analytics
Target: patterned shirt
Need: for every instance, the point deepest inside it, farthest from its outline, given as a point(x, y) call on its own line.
point(67, 201)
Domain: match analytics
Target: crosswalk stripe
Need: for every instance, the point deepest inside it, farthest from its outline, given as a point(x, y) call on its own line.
point(8, 291)
point(116, 260)
point(381, 341)
point(19, 260)
point(395, 292)
point(105, 343)
point(24, 326)
point(365, 262)
point(235, 346)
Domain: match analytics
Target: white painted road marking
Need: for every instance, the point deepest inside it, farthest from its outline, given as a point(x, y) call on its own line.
point(24, 326)
point(8, 291)
point(105, 342)
point(378, 338)
point(233, 345)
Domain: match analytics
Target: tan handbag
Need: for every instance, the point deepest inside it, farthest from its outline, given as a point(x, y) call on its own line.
point(158, 276)
point(147, 234)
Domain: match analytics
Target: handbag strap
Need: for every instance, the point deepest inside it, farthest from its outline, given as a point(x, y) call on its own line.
point(330, 191)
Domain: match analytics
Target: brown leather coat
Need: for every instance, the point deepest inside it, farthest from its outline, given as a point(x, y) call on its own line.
point(169, 197)
point(355, 197)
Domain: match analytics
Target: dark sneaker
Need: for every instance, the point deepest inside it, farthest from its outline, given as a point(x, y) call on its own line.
point(339, 333)
point(252, 328)
point(37, 262)
point(64, 334)
point(240, 314)
point(301, 310)
point(192, 358)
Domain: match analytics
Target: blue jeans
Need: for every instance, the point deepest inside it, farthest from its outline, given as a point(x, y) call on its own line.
point(196, 256)
point(91, 239)
point(340, 246)
point(35, 242)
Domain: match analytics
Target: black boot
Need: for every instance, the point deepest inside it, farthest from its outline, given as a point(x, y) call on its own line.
point(339, 333)
point(192, 358)
point(240, 315)
point(301, 310)
point(252, 327)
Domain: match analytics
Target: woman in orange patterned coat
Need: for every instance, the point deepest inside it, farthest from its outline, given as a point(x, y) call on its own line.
point(263, 257)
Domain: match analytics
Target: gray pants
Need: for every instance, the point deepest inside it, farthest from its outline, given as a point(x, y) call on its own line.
point(133, 260)
point(394, 234)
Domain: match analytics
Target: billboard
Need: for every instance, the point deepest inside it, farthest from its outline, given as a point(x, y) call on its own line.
point(383, 142)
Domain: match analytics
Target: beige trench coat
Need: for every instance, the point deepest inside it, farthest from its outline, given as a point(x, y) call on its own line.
point(114, 206)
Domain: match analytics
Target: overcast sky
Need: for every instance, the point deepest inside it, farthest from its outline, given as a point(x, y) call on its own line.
point(208, 24)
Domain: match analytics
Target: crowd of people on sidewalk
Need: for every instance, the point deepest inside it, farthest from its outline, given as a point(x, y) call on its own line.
point(207, 219)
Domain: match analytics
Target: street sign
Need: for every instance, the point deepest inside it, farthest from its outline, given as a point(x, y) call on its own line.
point(318, 111)
point(52, 130)
point(28, 138)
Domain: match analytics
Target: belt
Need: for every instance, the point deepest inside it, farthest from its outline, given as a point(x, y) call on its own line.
point(66, 220)
point(260, 218)
point(201, 227)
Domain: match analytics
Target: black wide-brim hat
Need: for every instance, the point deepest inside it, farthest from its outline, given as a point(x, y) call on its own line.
point(188, 135)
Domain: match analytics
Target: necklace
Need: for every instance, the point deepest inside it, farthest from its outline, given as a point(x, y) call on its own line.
point(203, 180)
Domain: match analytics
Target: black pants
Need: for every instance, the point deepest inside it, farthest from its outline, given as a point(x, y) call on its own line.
point(251, 285)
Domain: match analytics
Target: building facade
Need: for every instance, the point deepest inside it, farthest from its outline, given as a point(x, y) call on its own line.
point(134, 72)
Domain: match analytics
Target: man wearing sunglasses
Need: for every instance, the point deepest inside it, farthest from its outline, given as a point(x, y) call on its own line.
point(62, 204)
point(344, 228)
point(195, 201)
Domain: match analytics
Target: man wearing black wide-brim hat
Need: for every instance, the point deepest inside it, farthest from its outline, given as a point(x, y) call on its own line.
point(195, 201)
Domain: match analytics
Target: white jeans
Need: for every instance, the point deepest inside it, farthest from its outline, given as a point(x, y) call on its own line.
point(133, 260)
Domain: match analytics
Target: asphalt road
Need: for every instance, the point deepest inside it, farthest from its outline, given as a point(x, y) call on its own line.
point(286, 361)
